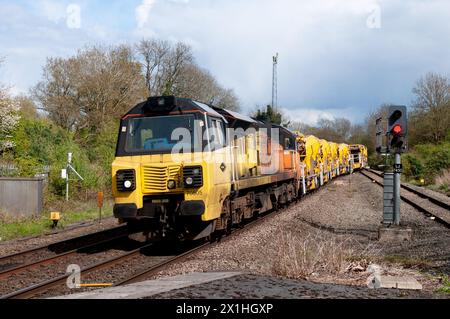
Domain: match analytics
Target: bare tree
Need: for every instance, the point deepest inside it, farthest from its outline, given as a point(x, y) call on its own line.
point(86, 92)
point(301, 127)
point(336, 130)
point(227, 99)
point(56, 93)
point(154, 53)
point(431, 109)
point(170, 69)
point(179, 57)
point(200, 85)
point(163, 63)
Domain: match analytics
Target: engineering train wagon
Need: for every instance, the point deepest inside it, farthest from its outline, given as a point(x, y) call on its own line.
point(358, 156)
point(334, 159)
point(310, 152)
point(344, 158)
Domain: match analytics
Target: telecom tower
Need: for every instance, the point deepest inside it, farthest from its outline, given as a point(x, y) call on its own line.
point(275, 83)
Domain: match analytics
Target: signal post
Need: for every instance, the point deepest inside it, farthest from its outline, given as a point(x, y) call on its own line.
point(396, 144)
point(397, 134)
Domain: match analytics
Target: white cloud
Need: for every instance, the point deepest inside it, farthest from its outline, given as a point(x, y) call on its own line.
point(55, 11)
point(143, 12)
point(28, 37)
point(306, 115)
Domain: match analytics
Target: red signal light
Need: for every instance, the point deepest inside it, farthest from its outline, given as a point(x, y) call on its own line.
point(397, 129)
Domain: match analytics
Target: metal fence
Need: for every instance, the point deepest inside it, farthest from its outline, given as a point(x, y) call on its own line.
point(11, 170)
point(21, 197)
point(8, 170)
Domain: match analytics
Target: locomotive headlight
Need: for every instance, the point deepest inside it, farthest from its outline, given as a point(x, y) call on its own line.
point(126, 180)
point(171, 184)
point(192, 176)
point(127, 184)
point(189, 181)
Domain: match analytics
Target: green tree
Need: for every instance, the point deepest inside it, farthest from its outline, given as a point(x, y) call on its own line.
point(270, 115)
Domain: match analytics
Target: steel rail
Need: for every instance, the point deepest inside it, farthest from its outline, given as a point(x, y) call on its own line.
point(45, 261)
point(432, 199)
point(154, 269)
point(409, 201)
point(46, 285)
point(66, 241)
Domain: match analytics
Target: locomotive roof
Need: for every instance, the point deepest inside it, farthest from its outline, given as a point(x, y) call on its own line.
point(164, 105)
point(170, 105)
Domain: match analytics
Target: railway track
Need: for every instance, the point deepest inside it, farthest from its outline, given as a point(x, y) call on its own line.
point(158, 267)
point(429, 205)
point(46, 261)
point(53, 250)
point(157, 263)
point(144, 255)
point(45, 286)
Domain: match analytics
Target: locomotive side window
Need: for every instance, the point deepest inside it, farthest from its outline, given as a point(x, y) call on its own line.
point(287, 144)
point(217, 132)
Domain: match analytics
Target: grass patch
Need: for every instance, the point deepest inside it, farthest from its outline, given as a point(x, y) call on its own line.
point(12, 228)
point(445, 289)
point(302, 255)
point(407, 262)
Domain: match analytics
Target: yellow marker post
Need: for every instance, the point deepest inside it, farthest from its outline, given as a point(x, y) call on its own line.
point(55, 217)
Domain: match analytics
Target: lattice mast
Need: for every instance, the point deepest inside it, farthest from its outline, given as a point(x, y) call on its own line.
point(275, 83)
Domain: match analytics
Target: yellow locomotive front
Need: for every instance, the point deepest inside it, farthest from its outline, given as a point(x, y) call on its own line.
point(171, 172)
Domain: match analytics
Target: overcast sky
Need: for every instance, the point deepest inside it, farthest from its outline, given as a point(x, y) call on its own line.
point(337, 58)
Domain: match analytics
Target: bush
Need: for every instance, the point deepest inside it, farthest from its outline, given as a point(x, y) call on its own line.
point(375, 160)
point(40, 143)
point(439, 161)
point(412, 167)
point(427, 161)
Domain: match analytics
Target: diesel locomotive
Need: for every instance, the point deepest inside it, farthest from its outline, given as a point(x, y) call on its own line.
point(188, 170)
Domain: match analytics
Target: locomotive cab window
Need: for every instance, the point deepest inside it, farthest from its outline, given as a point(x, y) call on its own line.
point(154, 134)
